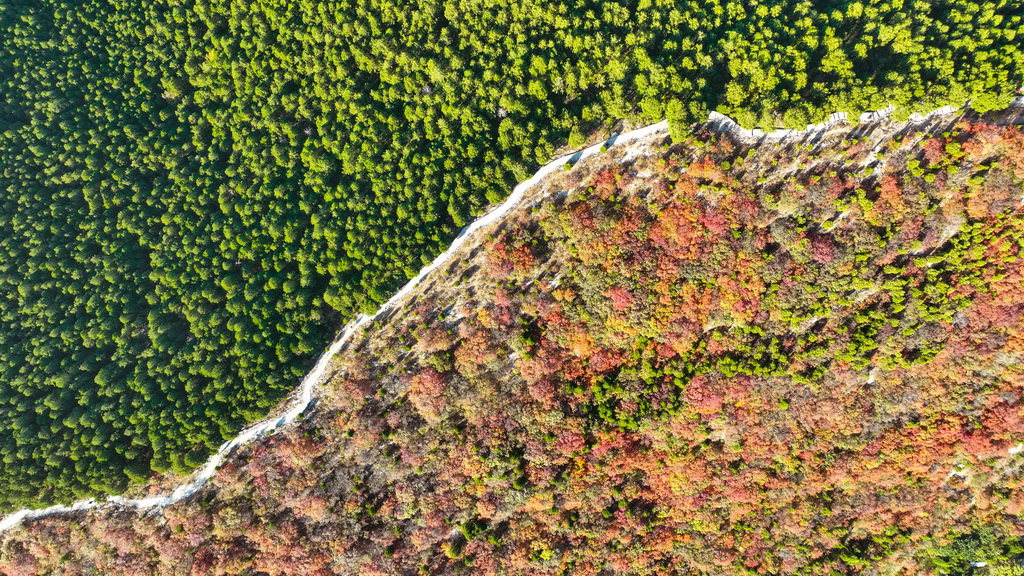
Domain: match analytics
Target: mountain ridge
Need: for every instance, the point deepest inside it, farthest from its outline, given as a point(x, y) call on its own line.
point(463, 350)
point(304, 391)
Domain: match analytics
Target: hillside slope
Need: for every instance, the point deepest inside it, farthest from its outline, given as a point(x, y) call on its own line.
point(704, 357)
point(197, 193)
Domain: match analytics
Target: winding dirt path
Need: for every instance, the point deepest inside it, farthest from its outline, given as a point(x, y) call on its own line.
point(315, 377)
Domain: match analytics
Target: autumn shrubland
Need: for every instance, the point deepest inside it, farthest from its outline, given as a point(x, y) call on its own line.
point(708, 356)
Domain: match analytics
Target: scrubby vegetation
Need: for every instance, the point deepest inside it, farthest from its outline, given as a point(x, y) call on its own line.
point(798, 358)
point(196, 193)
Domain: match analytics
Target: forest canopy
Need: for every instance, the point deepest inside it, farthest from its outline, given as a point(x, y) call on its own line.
point(712, 357)
point(197, 193)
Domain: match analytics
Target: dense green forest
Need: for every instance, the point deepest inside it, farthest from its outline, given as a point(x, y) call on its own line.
point(196, 194)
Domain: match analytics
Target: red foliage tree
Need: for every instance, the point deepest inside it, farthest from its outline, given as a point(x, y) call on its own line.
point(426, 391)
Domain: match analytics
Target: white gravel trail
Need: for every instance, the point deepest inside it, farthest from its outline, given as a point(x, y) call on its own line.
point(314, 378)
